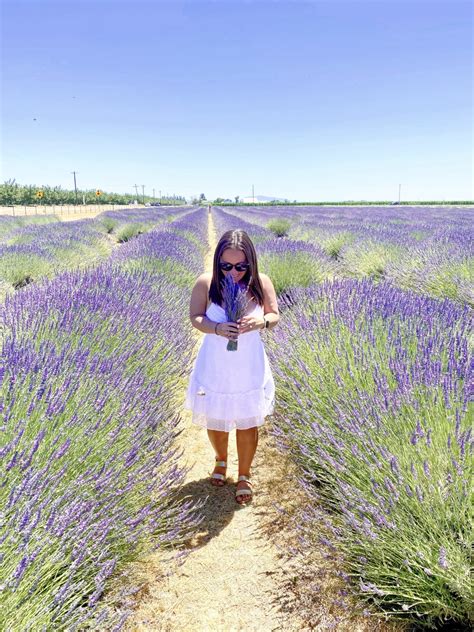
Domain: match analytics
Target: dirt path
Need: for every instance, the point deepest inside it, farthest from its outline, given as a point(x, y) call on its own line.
point(72, 217)
point(244, 570)
point(231, 578)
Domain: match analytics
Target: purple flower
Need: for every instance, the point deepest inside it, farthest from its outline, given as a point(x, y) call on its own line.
point(442, 558)
point(235, 304)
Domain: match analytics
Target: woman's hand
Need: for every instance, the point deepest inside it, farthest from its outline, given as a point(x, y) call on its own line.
point(250, 323)
point(228, 330)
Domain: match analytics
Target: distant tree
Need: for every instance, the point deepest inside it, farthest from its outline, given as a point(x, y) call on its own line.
point(202, 197)
point(237, 198)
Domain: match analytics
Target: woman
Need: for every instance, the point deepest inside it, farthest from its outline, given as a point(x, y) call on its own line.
point(232, 389)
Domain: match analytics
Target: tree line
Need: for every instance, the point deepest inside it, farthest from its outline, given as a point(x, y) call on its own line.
point(14, 194)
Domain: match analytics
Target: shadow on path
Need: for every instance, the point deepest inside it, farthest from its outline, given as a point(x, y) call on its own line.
point(217, 511)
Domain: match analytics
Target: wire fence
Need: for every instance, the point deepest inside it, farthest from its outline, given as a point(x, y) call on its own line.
point(61, 209)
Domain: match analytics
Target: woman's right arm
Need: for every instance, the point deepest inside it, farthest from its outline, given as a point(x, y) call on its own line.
point(198, 305)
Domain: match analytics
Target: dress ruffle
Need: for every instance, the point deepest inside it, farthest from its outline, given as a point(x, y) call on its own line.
point(226, 411)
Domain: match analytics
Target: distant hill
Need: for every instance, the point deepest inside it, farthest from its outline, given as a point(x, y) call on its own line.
point(261, 198)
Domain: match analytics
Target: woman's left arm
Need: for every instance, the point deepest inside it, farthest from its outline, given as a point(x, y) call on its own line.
point(270, 303)
point(270, 310)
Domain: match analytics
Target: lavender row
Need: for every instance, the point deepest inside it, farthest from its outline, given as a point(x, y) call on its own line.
point(43, 249)
point(375, 406)
point(126, 224)
point(8, 223)
point(289, 263)
point(428, 250)
point(92, 362)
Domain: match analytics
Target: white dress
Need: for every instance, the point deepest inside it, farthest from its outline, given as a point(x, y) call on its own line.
point(230, 389)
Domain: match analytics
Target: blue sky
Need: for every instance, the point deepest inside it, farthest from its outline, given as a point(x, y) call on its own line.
point(322, 100)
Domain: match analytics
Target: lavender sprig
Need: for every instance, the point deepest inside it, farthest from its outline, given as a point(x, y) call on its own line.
point(235, 304)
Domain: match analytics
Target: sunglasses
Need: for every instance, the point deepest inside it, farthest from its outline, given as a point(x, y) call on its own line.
point(239, 267)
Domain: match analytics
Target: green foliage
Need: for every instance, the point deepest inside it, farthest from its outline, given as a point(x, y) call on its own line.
point(131, 230)
point(108, 223)
point(20, 269)
point(280, 227)
point(14, 194)
point(294, 270)
point(368, 258)
point(450, 280)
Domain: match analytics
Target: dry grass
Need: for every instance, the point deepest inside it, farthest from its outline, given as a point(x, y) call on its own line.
point(72, 217)
point(311, 585)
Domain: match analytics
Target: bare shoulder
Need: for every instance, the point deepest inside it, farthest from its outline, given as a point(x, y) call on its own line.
point(204, 280)
point(199, 295)
point(270, 301)
point(265, 280)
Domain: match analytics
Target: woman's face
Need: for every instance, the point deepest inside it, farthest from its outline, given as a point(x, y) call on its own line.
point(230, 255)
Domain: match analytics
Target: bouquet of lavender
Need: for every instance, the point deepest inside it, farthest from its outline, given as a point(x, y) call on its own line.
point(235, 304)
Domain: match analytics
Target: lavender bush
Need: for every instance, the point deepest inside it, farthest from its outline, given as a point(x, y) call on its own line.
point(129, 223)
point(429, 249)
point(91, 367)
point(38, 251)
point(294, 263)
point(9, 224)
point(33, 250)
point(375, 386)
point(165, 251)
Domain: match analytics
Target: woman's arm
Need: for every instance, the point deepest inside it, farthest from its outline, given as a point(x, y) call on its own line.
point(197, 311)
point(198, 306)
point(270, 310)
point(270, 302)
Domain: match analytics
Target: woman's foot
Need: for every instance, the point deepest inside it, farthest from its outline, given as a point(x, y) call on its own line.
point(218, 475)
point(243, 495)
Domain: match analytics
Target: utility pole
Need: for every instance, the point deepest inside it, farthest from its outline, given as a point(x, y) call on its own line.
point(143, 193)
point(399, 189)
point(253, 194)
point(160, 196)
point(136, 190)
point(75, 187)
point(153, 195)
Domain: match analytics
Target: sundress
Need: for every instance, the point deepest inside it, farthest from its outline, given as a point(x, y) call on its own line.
point(230, 389)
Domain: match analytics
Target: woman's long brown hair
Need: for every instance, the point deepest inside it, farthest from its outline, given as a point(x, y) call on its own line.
point(238, 240)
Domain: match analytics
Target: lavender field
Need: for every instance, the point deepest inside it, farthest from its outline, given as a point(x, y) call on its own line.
point(373, 359)
point(92, 364)
point(373, 364)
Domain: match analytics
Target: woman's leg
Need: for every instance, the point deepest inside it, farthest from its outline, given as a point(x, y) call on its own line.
point(220, 442)
point(247, 441)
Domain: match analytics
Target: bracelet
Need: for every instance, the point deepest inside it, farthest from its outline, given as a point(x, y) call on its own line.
point(215, 329)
